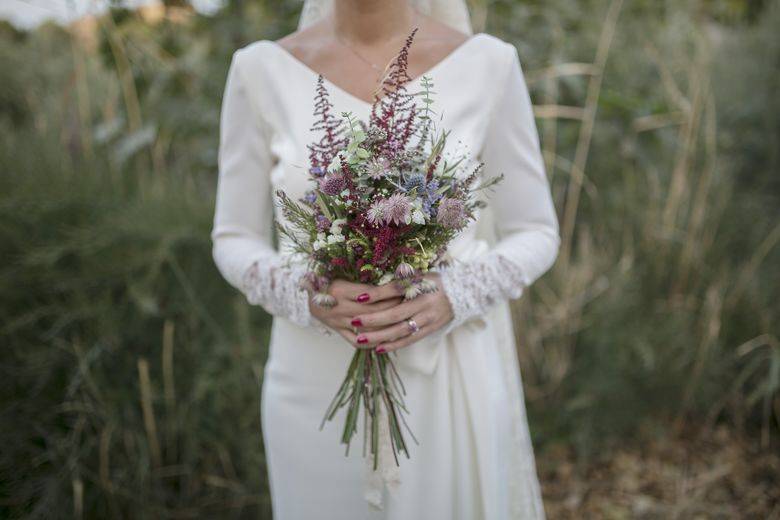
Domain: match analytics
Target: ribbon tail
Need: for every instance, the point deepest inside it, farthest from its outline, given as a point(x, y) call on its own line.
point(387, 474)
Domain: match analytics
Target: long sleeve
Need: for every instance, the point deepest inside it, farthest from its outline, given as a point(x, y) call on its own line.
point(242, 241)
point(526, 222)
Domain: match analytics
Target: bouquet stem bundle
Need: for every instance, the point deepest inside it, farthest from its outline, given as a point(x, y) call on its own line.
point(372, 381)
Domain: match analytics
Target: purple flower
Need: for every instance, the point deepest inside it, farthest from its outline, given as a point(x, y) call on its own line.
point(451, 213)
point(310, 197)
point(397, 209)
point(317, 171)
point(323, 224)
point(332, 184)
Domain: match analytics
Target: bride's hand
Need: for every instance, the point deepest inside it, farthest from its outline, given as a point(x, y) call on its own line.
point(393, 328)
point(353, 299)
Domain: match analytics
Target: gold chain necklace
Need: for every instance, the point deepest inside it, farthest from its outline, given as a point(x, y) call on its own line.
point(380, 70)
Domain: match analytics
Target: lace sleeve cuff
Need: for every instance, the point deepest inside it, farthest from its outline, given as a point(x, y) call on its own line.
point(276, 288)
point(473, 287)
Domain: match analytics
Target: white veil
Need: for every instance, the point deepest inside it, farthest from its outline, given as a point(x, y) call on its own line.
point(451, 12)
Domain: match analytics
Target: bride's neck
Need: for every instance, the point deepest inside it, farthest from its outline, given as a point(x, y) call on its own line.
point(372, 21)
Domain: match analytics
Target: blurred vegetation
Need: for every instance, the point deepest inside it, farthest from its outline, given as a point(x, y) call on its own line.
point(130, 371)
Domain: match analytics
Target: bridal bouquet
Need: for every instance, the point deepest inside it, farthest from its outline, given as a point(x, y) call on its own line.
point(385, 204)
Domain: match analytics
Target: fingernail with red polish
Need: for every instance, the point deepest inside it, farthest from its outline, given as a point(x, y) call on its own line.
point(362, 339)
point(363, 298)
point(356, 322)
point(380, 350)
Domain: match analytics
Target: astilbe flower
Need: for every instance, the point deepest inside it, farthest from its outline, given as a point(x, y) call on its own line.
point(394, 111)
point(451, 213)
point(384, 242)
point(333, 184)
point(331, 127)
point(340, 262)
point(397, 209)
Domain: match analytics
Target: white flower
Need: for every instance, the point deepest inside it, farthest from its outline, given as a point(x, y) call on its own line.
point(320, 242)
point(336, 225)
point(386, 278)
point(412, 292)
point(418, 217)
point(335, 239)
point(344, 193)
point(324, 300)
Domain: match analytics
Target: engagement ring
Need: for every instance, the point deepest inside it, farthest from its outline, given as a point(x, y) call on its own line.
point(413, 327)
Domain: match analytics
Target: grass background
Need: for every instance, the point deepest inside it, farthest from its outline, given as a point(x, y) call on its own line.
point(131, 371)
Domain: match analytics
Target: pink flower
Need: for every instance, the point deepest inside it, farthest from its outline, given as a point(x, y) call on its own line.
point(397, 209)
point(451, 213)
point(378, 168)
point(376, 212)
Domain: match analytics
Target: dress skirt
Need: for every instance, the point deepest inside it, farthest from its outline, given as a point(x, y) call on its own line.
point(474, 458)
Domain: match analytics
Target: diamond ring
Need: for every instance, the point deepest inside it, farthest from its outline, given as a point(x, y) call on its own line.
point(413, 327)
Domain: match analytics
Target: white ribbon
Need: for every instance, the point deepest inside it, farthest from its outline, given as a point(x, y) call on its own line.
point(387, 473)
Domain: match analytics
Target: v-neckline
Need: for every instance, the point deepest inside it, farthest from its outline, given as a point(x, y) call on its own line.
point(429, 72)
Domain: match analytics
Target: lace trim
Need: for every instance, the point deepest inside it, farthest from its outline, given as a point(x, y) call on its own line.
point(473, 287)
point(276, 288)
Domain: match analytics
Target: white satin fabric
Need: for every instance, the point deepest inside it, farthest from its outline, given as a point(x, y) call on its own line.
point(474, 459)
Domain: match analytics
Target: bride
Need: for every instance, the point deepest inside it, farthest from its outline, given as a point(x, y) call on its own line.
point(455, 347)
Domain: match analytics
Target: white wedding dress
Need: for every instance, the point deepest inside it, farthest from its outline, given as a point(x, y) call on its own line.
point(474, 459)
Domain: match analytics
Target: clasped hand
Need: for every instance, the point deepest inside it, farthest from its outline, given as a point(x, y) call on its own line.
point(378, 317)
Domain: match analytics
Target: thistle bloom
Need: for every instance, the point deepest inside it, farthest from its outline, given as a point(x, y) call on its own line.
point(451, 213)
point(397, 209)
point(417, 181)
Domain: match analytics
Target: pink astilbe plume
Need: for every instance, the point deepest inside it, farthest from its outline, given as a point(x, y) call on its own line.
point(332, 128)
point(394, 111)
